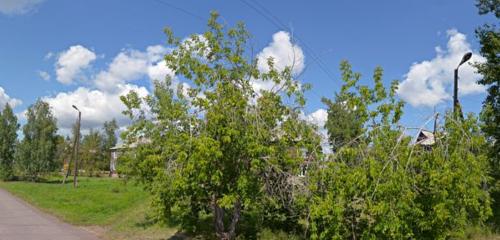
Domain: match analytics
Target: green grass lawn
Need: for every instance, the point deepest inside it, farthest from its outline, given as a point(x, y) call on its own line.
point(108, 206)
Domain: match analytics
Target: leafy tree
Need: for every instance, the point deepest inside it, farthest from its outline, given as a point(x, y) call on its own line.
point(489, 38)
point(349, 112)
point(64, 150)
point(223, 151)
point(37, 150)
point(109, 140)
point(489, 6)
point(8, 140)
point(91, 154)
point(384, 187)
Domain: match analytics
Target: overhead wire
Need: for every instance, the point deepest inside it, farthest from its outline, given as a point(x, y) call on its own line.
point(267, 14)
point(275, 21)
point(182, 10)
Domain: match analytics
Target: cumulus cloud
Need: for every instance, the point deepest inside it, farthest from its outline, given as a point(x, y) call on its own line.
point(96, 106)
point(158, 71)
point(18, 7)
point(319, 118)
point(4, 99)
point(284, 54)
point(130, 65)
point(430, 82)
point(71, 62)
point(100, 101)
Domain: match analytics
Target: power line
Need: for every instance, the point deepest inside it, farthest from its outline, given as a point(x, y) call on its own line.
point(275, 21)
point(182, 10)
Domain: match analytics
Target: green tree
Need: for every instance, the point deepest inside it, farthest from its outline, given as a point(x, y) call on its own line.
point(348, 113)
point(384, 187)
point(223, 151)
point(8, 140)
point(91, 154)
point(37, 150)
point(109, 140)
point(64, 150)
point(489, 6)
point(489, 38)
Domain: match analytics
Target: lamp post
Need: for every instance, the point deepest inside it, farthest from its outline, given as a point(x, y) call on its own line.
point(465, 58)
point(77, 144)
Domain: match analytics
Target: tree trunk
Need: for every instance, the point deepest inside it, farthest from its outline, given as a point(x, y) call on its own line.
point(220, 230)
point(218, 218)
point(235, 220)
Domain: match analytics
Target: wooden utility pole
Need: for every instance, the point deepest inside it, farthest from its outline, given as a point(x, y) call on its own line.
point(68, 172)
point(77, 146)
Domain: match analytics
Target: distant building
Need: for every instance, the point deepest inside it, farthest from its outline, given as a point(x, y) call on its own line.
point(118, 150)
point(425, 138)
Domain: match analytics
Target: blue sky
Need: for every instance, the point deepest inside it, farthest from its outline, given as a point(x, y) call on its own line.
point(105, 36)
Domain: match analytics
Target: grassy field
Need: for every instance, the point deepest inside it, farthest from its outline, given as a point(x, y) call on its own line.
point(109, 207)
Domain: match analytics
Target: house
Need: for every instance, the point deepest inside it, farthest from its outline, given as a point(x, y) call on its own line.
point(425, 138)
point(118, 150)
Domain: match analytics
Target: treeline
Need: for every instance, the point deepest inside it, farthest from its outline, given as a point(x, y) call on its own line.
point(247, 162)
point(40, 150)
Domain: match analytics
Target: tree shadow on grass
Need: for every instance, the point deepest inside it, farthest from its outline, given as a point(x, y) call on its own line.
point(43, 179)
point(179, 236)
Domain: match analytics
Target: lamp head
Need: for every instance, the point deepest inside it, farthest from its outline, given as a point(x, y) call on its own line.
point(465, 58)
point(75, 108)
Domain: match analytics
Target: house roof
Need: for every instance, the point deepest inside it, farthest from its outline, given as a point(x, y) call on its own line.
point(132, 145)
point(425, 138)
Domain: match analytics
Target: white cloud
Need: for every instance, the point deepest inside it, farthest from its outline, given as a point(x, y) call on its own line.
point(126, 66)
point(430, 82)
point(158, 71)
point(284, 54)
point(44, 75)
point(130, 65)
point(96, 106)
point(318, 117)
point(4, 99)
point(17, 7)
point(71, 62)
point(100, 101)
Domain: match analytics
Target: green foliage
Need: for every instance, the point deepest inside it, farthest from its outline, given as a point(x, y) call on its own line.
point(489, 38)
point(95, 148)
point(8, 140)
point(384, 187)
point(488, 6)
point(92, 158)
point(245, 161)
point(224, 150)
point(349, 113)
point(64, 150)
point(37, 151)
point(109, 139)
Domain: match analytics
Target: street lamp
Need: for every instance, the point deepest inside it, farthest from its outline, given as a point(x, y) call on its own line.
point(465, 58)
point(77, 144)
